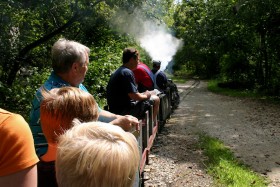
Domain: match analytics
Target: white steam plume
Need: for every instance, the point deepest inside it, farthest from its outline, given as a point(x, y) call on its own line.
point(153, 37)
point(159, 43)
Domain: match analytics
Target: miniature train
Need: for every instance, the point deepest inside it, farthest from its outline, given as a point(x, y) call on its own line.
point(169, 100)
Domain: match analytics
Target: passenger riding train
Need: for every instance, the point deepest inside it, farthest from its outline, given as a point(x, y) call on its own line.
point(169, 100)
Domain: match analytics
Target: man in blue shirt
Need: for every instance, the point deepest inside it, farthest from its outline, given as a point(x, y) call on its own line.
point(159, 77)
point(122, 89)
point(70, 61)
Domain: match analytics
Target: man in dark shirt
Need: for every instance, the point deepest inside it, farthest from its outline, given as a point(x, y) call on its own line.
point(122, 89)
point(159, 77)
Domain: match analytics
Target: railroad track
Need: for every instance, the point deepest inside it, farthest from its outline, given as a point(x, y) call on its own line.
point(186, 89)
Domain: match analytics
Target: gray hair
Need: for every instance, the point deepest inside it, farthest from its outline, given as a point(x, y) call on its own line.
point(65, 53)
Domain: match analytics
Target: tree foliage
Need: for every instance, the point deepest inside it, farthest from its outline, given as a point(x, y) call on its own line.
point(26, 25)
point(28, 30)
point(236, 40)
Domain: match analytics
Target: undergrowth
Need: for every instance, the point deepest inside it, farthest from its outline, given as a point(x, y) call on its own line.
point(225, 168)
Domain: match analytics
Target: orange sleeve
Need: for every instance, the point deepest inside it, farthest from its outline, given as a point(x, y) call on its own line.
point(17, 150)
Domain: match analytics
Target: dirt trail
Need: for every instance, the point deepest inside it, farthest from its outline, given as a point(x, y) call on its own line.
point(251, 129)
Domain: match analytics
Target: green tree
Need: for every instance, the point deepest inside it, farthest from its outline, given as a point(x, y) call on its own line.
point(236, 40)
point(29, 28)
point(26, 25)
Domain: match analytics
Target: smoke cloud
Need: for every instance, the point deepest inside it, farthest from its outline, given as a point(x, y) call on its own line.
point(153, 36)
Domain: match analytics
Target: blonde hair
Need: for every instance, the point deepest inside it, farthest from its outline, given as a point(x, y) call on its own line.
point(96, 154)
point(60, 106)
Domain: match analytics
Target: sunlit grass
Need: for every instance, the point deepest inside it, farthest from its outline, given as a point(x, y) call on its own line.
point(225, 169)
point(213, 86)
point(176, 79)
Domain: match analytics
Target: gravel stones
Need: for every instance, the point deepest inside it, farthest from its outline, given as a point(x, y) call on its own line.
point(251, 129)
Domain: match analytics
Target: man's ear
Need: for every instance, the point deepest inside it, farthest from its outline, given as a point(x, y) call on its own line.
point(74, 67)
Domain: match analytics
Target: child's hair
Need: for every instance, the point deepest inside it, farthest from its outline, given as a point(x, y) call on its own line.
point(96, 154)
point(60, 106)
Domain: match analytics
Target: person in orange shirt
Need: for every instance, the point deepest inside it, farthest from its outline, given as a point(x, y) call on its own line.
point(58, 109)
point(18, 158)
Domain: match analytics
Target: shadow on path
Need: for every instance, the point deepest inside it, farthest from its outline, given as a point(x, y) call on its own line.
point(250, 128)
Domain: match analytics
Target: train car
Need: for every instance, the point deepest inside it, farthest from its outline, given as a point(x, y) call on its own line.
point(146, 135)
point(169, 100)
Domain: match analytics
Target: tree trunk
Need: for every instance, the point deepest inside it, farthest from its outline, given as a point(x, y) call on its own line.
point(264, 58)
point(17, 63)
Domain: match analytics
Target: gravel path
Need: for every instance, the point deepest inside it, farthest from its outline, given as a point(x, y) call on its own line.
point(251, 129)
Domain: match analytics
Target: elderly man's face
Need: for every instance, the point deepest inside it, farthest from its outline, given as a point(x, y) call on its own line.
point(82, 70)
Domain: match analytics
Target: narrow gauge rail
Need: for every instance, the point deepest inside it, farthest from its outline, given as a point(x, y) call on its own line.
point(149, 129)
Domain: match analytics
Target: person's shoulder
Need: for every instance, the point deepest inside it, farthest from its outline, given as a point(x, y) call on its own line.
point(18, 150)
point(161, 73)
point(146, 65)
point(82, 87)
point(4, 114)
point(16, 120)
point(140, 70)
point(142, 65)
point(13, 123)
point(14, 126)
point(125, 70)
point(137, 69)
point(54, 81)
point(49, 84)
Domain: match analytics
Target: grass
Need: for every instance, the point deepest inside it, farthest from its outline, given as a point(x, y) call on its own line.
point(221, 164)
point(213, 86)
point(225, 169)
point(177, 79)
